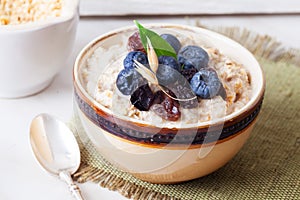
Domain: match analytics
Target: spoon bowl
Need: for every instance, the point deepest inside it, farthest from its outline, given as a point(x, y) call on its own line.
point(56, 149)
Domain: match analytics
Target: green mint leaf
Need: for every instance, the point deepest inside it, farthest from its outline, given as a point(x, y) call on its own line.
point(161, 47)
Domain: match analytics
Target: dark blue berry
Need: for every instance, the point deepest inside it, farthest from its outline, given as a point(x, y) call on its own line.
point(172, 40)
point(170, 61)
point(129, 80)
point(134, 55)
point(193, 56)
point(166, 75)
point(142, 98)
point(206, 83)
point(182, 91)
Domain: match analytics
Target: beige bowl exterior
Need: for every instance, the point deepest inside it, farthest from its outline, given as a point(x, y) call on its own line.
point(190, 164)
point(217, 157)
point(168, 163)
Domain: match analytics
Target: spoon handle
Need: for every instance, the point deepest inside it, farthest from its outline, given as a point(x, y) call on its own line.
point(74, 189)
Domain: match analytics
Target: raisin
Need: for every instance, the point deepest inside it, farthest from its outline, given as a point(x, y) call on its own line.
point(142, 98)
point(135, 43)
point(166, 107)
point(159, 97)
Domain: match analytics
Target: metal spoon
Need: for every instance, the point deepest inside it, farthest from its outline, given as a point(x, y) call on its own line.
point(56, 149)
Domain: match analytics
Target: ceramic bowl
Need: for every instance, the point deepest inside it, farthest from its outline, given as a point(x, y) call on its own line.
point(31, 54)
point(161, 153)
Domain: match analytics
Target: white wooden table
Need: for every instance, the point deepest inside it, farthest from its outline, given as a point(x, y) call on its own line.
point(21, 176)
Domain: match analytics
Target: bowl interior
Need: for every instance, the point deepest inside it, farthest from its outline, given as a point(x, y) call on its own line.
point(113, 45)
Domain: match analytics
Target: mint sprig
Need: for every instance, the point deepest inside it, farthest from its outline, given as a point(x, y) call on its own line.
point(160, 46)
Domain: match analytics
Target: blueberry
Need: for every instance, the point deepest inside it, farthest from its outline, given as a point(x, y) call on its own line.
point(193, 56)
point(206, 83)
point(129, 80)
point(172, 40)
point(167, 71)
point(166, 75)
point(182, 90)
point(134, 55)
point(170, 61)
point(142, 98)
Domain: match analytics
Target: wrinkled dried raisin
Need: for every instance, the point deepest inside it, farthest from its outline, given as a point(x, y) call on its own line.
point(166, 107)
point(135, 43)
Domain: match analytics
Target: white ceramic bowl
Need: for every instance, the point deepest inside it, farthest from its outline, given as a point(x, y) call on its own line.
point(165, 154)
point(31, 54)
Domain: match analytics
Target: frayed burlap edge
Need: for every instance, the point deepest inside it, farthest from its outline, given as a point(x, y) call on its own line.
point(262, 46)
point(115, 183)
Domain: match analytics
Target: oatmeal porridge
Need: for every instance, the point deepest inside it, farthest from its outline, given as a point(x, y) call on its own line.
point(231, 76)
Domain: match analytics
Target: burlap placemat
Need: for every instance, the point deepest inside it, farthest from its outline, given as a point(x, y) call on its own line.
point(267, 167)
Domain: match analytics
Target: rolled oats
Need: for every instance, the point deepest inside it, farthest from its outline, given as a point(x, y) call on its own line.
point(13, 12)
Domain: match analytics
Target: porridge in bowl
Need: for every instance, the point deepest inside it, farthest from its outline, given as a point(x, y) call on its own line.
point(167, 104)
